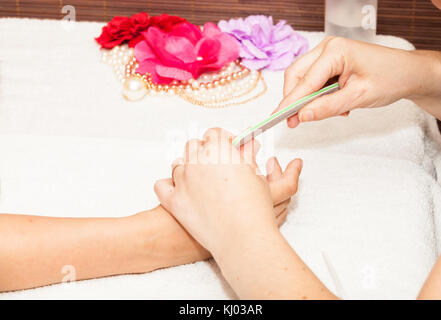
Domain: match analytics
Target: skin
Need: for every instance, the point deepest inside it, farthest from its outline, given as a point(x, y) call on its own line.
point(258, 264)
point(369, 76)
point(99, 247)
point(261, 265)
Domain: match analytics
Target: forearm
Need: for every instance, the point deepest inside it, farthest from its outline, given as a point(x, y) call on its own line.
point(35, 251)
point(266, 267)
point(432, 287)
point(426, 78)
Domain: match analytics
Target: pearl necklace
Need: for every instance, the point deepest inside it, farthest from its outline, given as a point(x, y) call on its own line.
point(232, 85)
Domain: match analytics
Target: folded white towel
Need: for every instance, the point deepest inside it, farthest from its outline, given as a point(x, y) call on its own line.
point(71, 146)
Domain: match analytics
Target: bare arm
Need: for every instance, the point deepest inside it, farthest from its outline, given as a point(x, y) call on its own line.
point(428, 93)
point(232, 218)
point(34, 250)
point(266, 267)
point(432, 287)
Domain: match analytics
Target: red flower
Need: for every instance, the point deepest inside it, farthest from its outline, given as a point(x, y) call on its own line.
point(166, 22)
point(185, 52)
point(124, 29)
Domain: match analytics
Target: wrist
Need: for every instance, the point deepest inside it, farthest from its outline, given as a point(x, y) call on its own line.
point(245, 239)
point(425, 76)
point(162, 242)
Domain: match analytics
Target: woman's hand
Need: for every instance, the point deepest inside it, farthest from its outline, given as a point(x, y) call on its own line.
point(177, 247)
point(218, 197)
point(369, 76)
point(217, 189)
point(107, 246)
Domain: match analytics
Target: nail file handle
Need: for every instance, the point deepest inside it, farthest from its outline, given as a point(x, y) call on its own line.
point(281, 115)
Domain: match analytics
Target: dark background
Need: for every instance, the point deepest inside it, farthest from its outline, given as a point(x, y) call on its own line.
point(419, 21)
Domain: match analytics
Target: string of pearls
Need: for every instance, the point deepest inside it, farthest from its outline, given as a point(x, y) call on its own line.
point(210, 89)
point(118, 58)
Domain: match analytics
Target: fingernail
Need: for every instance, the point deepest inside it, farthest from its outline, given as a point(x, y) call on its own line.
point(306, 116)
point(293, 121)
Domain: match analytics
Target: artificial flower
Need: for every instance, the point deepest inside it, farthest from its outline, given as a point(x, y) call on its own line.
point(185, 52)
point(122, 29)
point(166, 22)
point(128, 30)
point(263, 44)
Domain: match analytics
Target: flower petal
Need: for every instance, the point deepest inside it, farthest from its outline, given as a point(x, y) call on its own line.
point(254, 50)
point(255, 64)
point(156, 39)
point(208, 49)
point(282, 62)
point(281, 31)
point(173, 73)
point(211, 30)
point(187, 30)
point(144, 52)
point(149, 66)
point(132, 43)
point(181, 48)
point(244, 53)
point(229, 51)
point(166, 22)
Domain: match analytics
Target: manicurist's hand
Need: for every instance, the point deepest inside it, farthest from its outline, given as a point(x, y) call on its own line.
point(369, 76)
point(217, 195)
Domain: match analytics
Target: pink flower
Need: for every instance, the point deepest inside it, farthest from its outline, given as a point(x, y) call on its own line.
point(185, 52)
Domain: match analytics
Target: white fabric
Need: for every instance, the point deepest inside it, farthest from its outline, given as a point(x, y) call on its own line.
point(72, 146)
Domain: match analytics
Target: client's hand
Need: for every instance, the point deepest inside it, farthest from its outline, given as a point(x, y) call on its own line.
point(216, 190)
point(219, 199)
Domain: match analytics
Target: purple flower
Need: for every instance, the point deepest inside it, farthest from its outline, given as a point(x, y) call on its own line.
point(263, 44)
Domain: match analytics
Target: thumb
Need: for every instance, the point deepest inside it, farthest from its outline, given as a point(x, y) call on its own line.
point(327, 65)
point(164, 190)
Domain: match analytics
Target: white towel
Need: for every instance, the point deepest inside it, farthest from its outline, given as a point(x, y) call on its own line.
point(72, 146)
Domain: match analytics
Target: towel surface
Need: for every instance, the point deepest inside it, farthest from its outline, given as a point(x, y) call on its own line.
point(72, 146)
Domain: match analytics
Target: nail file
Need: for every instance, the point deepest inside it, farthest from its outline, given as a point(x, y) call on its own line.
point(281, 115)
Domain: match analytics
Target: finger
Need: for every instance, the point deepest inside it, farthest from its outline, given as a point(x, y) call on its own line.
point(293, 121)
point(325, 67)
point(286, 186)
point(164, 189)
point(216, 135)
point(217, 147)
point(179, 162)
point(297, 70)
point(191, 150)
point(334, 104)
point(273, 169)
point(249, 151)
point(293, 170)
point(278, 209)
point(212, 134)
point(282, 217)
